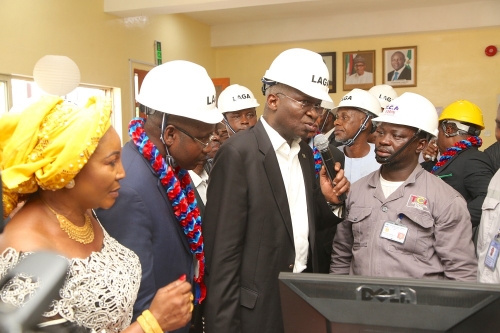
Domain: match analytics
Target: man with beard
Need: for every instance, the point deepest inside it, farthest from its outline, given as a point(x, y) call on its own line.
point(361, 76)
point(402, 221)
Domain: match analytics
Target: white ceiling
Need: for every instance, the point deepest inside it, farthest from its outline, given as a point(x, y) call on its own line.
point(312, 9)
point(213, 12)
point(315, 19)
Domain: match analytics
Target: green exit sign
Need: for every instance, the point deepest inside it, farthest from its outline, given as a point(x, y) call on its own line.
point(158, 60)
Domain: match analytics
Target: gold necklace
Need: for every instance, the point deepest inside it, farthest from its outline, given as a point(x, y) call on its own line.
point(84, 234)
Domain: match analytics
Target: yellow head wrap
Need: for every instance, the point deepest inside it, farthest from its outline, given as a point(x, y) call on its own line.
point(47, 144)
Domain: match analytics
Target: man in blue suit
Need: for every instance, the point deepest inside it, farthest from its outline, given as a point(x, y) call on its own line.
point(400, 72)
point(156, 214)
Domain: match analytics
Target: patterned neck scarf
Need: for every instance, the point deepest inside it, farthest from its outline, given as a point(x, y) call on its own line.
point(471, 141)
point(177, 185)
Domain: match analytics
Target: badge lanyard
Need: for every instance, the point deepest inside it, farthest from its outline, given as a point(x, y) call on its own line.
point(395, 231)
point(493, 250)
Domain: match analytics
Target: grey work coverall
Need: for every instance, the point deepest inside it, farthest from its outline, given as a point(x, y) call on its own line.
point(438, 243)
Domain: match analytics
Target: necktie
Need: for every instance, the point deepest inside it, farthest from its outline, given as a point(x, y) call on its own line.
point(395, 76)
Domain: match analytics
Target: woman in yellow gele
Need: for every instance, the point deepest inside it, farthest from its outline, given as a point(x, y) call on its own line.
point(62, 161)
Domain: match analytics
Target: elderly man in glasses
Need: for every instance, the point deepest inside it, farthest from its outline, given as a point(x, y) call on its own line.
point(155, 214)
point(264, 204)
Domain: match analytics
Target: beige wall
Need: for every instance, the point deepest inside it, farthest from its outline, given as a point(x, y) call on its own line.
point(99, 43)
point(451, 66)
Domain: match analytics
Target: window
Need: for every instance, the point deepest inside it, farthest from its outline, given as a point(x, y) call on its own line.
point(4, 105)
point(17, 91)
point(24, 89)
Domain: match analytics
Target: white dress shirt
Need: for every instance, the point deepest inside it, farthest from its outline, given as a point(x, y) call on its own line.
point(357, 168)
point(367, 77)
point(200, 182)
point(293, 180)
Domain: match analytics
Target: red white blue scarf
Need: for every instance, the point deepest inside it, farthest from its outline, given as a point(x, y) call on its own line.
point(177, 185)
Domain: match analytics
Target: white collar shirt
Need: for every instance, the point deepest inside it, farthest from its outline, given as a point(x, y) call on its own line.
point(200, 182)
point(327, 134)
point(293, 180)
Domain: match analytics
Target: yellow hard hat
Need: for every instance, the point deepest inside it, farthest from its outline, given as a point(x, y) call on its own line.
point(465, 112)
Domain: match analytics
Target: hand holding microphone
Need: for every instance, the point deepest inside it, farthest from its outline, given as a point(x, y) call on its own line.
point(333, 183)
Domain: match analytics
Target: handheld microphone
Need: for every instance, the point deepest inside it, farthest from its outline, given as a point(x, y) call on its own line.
point(321, 142)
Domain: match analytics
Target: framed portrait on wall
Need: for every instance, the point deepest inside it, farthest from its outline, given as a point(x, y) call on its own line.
point(330, 60)
point(400, 66)
point(359, 69)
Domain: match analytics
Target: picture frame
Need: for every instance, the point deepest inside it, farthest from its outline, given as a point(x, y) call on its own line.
point(358, 69)
point(330, 59)
point(404, 60)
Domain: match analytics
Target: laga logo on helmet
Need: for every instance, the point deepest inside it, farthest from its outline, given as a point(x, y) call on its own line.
point(210, 102)
point(244, 96)
point(387, 98)
point(319, 80)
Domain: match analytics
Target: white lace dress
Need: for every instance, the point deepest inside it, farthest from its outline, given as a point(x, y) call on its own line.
point(99, 291)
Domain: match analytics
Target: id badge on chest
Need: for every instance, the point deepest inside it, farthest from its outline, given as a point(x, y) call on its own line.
point(394, 231)
point(492, 255)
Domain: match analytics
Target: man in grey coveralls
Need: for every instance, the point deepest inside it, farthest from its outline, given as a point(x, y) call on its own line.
point(402, 221)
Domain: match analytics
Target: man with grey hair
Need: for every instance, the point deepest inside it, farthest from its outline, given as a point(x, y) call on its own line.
point(361, 76)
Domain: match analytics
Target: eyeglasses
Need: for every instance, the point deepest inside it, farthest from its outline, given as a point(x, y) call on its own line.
point(307, 106)
point(205, 145)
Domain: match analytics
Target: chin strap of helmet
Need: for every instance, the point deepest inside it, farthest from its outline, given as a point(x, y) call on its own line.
point(350, 142)
point(226, 122)
point(391, 158)
point(324, 121)
point(168, 158)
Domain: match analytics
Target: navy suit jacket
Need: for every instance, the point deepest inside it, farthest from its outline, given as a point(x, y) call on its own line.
point(142, 220)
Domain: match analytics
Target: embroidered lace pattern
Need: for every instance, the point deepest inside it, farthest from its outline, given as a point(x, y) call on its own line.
point(99, 291)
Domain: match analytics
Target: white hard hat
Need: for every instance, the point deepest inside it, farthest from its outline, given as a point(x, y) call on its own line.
point(360, 99)
point(301, 69)
point(180, 88)
point(327, 105)
point(413, 110)
point(235, 98)
point(384, 92)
